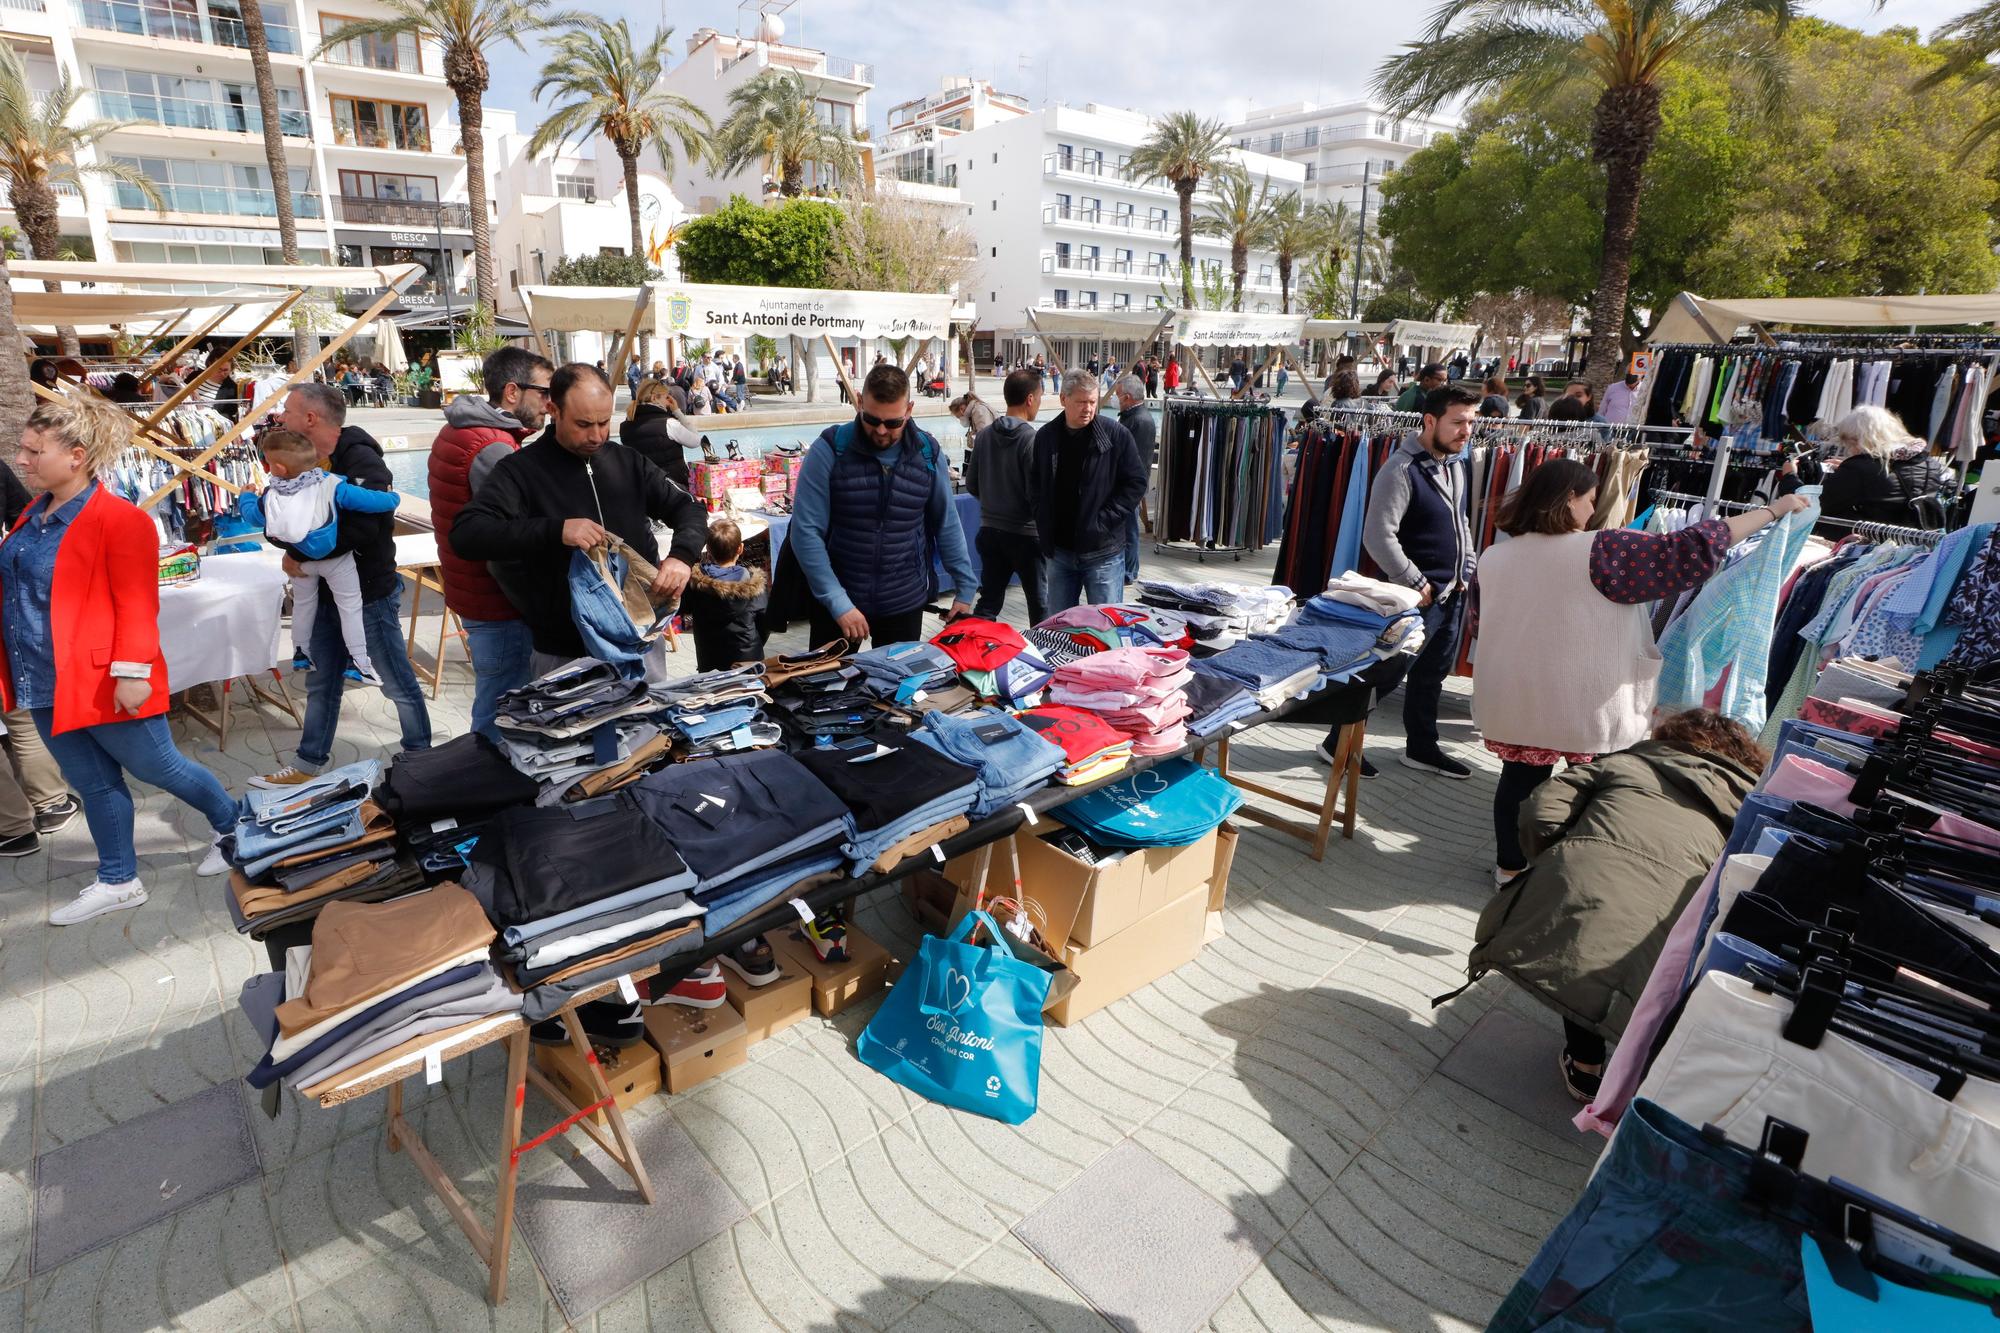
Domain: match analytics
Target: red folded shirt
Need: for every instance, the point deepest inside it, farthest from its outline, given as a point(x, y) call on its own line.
point(979, 645)
point(1080, 734)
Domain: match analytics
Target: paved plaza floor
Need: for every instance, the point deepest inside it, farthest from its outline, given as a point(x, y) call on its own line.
point(1287, 1118)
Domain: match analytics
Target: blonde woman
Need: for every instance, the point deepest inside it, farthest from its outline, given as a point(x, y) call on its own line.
point(1880, 471)
point(656, 430)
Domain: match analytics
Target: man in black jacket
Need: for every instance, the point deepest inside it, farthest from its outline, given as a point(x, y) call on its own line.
point(319, 412)
point(565, 489)
point(1086, 482)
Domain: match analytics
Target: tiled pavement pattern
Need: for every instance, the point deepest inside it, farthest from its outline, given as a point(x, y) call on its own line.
point(1291, 1073)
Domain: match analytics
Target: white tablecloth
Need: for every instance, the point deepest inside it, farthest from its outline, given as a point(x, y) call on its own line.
point(225, 624)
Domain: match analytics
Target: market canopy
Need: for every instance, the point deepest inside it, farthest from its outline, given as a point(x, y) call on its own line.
point(1226, 328)
point(1341, 328)
point(712, 310)
point(1696, 319)
point(580, 309)
point(282, 276)
point(1141, 325)
point(39, 307)
point(1423, 333)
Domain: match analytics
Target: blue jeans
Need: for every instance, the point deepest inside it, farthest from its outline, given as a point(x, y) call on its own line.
point(1132, 546)
point(382, 622)
point(1073, 577)
point(96, 759)
point(500, 650)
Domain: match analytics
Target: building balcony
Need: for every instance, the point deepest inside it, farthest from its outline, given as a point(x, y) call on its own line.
point(186, 114)
point(389, 55)
point(348, 134)
point(24, 6)
point(1114, 268)
point(226, 200)
point(1098, 217)
point(402, 213)
point(849, 71)
point(174, 20)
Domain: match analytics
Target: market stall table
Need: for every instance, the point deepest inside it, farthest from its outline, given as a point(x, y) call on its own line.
point(417, 560)
point(224, 627)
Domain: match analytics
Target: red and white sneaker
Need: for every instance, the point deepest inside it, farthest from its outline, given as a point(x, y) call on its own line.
point(702, 988)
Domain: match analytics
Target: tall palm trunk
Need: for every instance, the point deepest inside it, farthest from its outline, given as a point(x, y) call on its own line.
point(1623, 131)
point(1239, 269)
point(274, 135)
point(467, 75)
point(628, 156)
point(16, 400)
point(1185, 189)
point(1285, 284)
point(35, 208)
point(791, 178)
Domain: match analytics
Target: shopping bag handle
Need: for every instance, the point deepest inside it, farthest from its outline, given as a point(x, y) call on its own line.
point(933, 982)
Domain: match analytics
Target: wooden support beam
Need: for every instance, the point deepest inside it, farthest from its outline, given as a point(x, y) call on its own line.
point(215, 367)
point(639, 304)
point(173, 353)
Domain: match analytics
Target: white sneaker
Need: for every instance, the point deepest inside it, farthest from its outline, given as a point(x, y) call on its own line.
point(369, 677)
point(96, 901)
point(214, 863)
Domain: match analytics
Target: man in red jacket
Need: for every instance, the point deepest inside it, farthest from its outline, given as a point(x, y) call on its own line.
point(478, 433)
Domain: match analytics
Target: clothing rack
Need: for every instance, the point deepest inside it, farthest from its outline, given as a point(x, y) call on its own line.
point(1970, 345)
point(1863, 528)
point(1221, 468)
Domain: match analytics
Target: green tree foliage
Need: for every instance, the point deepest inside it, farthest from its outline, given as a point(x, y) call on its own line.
point(613, 270)
point(1853, 186)
point(754, 246)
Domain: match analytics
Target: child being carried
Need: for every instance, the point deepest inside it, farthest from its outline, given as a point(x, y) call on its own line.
point(300, 511)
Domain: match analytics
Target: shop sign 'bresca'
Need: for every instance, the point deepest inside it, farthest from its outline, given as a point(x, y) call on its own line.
point(701, 310)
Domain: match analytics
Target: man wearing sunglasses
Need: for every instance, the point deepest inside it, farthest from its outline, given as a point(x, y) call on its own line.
point(478, 433)
point(873, 502)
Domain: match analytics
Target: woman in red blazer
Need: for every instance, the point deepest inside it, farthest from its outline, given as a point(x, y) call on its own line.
point(80, 630)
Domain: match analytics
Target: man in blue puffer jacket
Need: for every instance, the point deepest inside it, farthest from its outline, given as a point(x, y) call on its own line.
point(873, 503)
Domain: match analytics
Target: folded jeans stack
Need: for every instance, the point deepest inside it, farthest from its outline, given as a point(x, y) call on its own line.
point(1011, 758)
point(466, 778)
point(893, 788)
point(1273, 672)
point(576, 698)
point(296, 886)
point(318, 814)
point(1216, 701)
point(558, 763)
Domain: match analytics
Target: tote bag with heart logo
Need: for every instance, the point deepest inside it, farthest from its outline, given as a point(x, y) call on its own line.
point(963, 1026)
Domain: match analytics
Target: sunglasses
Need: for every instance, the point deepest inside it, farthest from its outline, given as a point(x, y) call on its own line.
point(879, 423)
point(541, 389)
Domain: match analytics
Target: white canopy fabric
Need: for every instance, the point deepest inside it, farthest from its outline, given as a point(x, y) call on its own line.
point(1427, 334)
point(389, 346)
point(580, 309)
point(1226, 328)
point(1696, 319)
point(40, 307)
point(1136, 324)
point(715, 310)
point(281, 276)
point(1340, 328)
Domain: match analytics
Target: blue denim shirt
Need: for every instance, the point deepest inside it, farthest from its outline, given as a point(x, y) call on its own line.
point(27, 573)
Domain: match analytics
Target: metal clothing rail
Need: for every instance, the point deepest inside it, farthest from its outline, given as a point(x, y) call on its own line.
point(1861, 527)
point(1969, 349)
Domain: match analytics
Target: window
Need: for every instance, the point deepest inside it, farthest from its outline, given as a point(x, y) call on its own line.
point(996, 158)
point(216, 187)
point(1277, 143)
point(1122, 301)
point(1156, 302)
point(1381, 128)
point(1157, 261)
point(840, 115)
point(1062, 254)
point(1121, 261)
point(1309, 138)
point(374, 124)
point(994, 206)
point(388, 185)
point(993, 297)
point(1065, 156)
point(427, 260)
point(1091, 209)
point(1087, 300)
point(1062, 205)
point(576, 187)
point(193, 103)
point(400, 52)
point(1244, 142)
point(1062, 298)
point(1087, 256)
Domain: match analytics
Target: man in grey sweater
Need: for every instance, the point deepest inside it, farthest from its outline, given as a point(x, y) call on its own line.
point(1135, 414)
point(996, 472)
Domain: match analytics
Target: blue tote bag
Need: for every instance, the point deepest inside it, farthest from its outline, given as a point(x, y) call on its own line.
point(963, 1026)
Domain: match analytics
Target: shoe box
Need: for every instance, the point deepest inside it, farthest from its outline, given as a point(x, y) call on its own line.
point(695, 1045)
point(774, 1006)
point(837, 986)
point(632, 1074)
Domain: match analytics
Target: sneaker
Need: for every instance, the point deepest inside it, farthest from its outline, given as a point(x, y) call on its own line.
point(827, 934)
point(215, 863)
point(550, 1032)
point(1323, 752)
point(702, 988)
point(365, 677)
point(300, 662)
point(754, 962)
point(25, 844)
point(613, 1023)
point(283, 778)
point(353, 673)
point(1582, 1084)
point(1439, 763)
point(97, 900)
point(1368, 770)
point(1502, 877)
point(56, 815)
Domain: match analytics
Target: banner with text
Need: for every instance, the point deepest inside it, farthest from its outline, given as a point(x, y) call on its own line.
point(1223, 328)
point(708, 310)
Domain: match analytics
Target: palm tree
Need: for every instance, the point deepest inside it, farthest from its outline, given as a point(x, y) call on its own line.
point(1297, 230)
point(1241, 212)
point(1181, 150)
point(17, 400)
point(774, 118)
point(463, 30)
point(259, 43)
point(39, 149)
point(1621, 49)
point(1975, 38)
point(614, 89)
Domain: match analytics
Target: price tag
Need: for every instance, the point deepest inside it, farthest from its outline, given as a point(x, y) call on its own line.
point(444, 824)
point(742, 738)
point(805, 913)
point(433, 1066)
point(938, 852)
point(1028, 813)
point(627, 991)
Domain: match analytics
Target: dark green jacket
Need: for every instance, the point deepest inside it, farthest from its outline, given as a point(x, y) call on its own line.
point(1616, 848)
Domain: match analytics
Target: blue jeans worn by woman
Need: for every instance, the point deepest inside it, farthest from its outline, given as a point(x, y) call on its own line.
point(1072, 578)
point(383, 626)
point(96, 760)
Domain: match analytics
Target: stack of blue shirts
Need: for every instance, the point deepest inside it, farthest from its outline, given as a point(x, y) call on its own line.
point(891, 787)
point(898, 670)
point(1170, 805)
point(1216, 702)
point(1011, 759)
point(324, 812)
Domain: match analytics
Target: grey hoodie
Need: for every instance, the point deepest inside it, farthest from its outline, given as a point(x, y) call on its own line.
point(997, 473)
point(469, 411)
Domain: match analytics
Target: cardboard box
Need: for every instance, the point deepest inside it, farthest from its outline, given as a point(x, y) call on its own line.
point(838, 986)
point(1225, 857)
point(633, 1075)
point(1179, 870)
point(696, 1044)
point(1081, 903)
point(774, 1006)
point(1136, 956)
point(933, 899)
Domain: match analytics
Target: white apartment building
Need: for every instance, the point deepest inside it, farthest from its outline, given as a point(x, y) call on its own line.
point(718, 63)
point(915, 156)
point(1342, 147)
point(369, 126)
point(1063, 224)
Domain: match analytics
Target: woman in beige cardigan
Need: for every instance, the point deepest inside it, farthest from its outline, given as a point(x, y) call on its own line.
point(1566, 662)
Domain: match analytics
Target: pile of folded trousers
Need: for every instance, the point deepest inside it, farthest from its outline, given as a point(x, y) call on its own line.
point(573, 700)
point(895, 671)
point(442, 797)
point(583, 893)
point(1271, 671)
point(1214, 702)
point(1219, 614)
point(378, 977)
point(900, 796)
point(719, 712)
point(296, 849)
point(748, 827)
point(1341, 649)
point(1172, 804)
point(1399, 631)
point(1010, 757)
point(1140, 691)
point(833, 701)
point(558, 764)
point(1092, 748)
point(1136, 624)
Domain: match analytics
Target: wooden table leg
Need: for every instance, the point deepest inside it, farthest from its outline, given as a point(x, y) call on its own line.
point(627, 1154)
point(416, 609)
point(395, 1115)
point(510, 1163)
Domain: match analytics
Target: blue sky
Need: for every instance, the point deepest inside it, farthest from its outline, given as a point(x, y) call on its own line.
point(1156, 55)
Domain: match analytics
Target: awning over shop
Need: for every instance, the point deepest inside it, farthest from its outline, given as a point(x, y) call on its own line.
point(1696, 319)
point(1138, 325)
point(39, 307)
point(437, 317)
point(281, 276)
point(709, 310)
